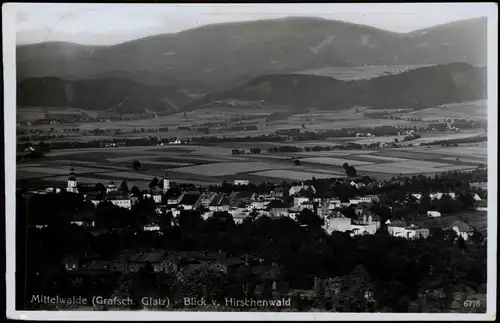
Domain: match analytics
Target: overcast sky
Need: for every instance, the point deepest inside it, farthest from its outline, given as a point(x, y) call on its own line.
point(100, 24)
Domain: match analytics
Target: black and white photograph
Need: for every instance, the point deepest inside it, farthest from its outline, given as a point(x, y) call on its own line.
point(258, 161)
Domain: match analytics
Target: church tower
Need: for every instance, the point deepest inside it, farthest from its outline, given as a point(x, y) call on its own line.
point(72, 182)
point(166, 184)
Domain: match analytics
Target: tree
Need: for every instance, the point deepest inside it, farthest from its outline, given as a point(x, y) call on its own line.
point(154, 183)
point(351, 171)
point(310, 218)
point(136, 191)
point(297, 162)
point(136, 165)
point(124, 187)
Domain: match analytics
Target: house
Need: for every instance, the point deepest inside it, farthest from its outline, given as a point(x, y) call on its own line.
point(241, 182)
point(399, 228)
point(259, 204)
point(462, 229)
point(189, 200)
point(219, 204)
point(151, 227)
point(415, 232)
point(306, 205)
point(296, 189)
point(156, 197)
point(396, 227)
point(481, 205)
point(206, 199)
point(366, 223)
point(417, 196)
point(476, 197)
point(355, 201)
point(111, 187)
point(433, 214)
point(299, 200)
point(334, 203)
point(119, 199)
point(277, 208)
point(439, 195)
point(277, 192)
point(336, 221)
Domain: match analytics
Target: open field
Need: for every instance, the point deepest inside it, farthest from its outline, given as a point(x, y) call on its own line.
point(221, 169)
point(410, 167)
point(359, 72)
point(471, 110)
point(294, 175)
point(204, 165)
point(334, 161)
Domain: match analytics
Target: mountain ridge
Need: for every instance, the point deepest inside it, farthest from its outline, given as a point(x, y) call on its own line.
point(224, 54)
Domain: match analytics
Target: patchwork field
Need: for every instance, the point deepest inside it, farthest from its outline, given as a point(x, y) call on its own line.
point(334, 161)
point(471, 110)
point(295, 175)
point(410, 167)
point(222, 169)
point(205, 165)
point(359, 72)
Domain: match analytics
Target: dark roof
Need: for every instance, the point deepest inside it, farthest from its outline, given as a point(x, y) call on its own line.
point(276, 204)
point(225, 201)
point(189, 199)
point(462, 226)
point(217, 200)
point(245, 194)
point(398, 223)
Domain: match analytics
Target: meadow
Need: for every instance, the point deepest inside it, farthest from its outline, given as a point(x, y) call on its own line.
point(471, 110)
point(205, 165)
point(359, 72)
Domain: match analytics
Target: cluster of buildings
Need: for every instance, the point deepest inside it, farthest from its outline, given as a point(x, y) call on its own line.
point(245, 204)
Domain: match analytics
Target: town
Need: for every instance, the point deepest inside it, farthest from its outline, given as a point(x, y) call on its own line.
point(302, 240)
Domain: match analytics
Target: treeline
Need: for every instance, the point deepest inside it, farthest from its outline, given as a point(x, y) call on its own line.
point(456, 142)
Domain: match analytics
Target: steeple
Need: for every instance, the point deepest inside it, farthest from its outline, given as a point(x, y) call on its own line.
point(166, 183)
point(72, 182)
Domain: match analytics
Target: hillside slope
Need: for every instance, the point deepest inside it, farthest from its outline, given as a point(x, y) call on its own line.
point(421, 87)
point(113, 94)
point(224, 54)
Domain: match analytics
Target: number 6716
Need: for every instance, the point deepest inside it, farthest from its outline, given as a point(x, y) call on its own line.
point(471, 303)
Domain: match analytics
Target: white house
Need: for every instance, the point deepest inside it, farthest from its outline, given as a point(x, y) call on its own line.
point(155, 197)
point(336, 221)
point(72, 184)
point(295, 189)
point(365, 224)
point(151, 227)
point(355, 201)
point(462, 229)
point(299, 200)
point(334, 203)
point(476, 197)
point(399, 229)
point(242, 182)
point(433, 214)
point(418, 196)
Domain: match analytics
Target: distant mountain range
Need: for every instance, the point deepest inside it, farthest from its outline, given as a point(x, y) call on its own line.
point(417, 88)
point(110, 94)
point(229, 52)
point(169, 71)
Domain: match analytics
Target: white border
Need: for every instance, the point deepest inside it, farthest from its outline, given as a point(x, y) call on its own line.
point(489, 10)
